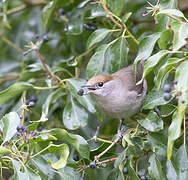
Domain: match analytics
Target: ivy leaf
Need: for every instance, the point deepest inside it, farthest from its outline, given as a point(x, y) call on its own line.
point(152, 62)
point(146, 46)
point(48, 12)
point(62, 151)
point(155, 169)
point(180, 34)
point(97, 36)
point(165, 38)
point(152, 122)
point(74, 115)
point(78, 142)
point(13, 91)
point(10, 122)
point(153, 99)
point(164, 69)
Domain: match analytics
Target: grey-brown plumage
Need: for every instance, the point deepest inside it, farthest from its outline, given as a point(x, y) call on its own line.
point(117, 94)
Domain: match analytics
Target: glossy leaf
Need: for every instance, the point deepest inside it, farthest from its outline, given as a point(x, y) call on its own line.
point(115, 6)
point(153, 61)
point(78, 142)
point(155, 169)
point(10, 122)
point(13, 91)
point(146, 46)
point(74, 85)
point(131, 171)
point(48, 12)
point(62, 151)
point(165, 38)
point(126, 17)
point(174, 12)
point(164, 69)
point(74, 115)
point(152, 122)
point(97, 36)
point(174, 132)
point(180, 34)
point(153, 99)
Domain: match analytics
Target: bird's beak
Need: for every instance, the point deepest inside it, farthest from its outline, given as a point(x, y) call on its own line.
point(86, 89)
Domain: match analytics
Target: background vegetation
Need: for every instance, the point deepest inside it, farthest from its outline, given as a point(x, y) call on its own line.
point(49, 49)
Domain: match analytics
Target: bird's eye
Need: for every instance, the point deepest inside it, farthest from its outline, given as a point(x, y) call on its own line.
point(100, 84)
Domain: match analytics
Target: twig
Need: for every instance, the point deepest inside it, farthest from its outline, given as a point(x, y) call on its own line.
point(52, 76)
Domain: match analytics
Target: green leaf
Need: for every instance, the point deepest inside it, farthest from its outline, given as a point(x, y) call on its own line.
point(78, 142)
point(96, 63)
point(48, 12)
point(146, 46)
point(158, 143)
point(153, 61)
point(62, 151)
point(182, 162)
point(10, 122)
point(126, 17)
point(116, 56)
point(174, 12)
point(153, 99)
point(165, 38)
point(4, 150)
point(74, 115)
point(152, 122)
point(131, 171)
point(180, 34)
point(108, 58)
point(174, 131)
point(13, 91)
point(52, 98)
point(171, 170)
point(164, 69)
point(97, 36)
point(28, 173)
point(116, 6)
point(155, 169)
point(86, 101)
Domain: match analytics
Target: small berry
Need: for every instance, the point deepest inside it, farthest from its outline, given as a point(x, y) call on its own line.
point(1, 108)
point(167, 88)
point(24, 128)
point(125, 170)
point(183, 101)
point(40, 128)
point(31, 104)
point(34, 98)
point(37, 36)
point(80, 92)
point(45, 38)
point(175, 82)
point(20, 128)
point(27, 102)
point(76, 157)
point(143, 177)
point(92, 165)
point(166, 96)
point(82, 178)
point(62, 11)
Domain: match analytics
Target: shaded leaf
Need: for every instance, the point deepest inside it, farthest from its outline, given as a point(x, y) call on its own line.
point(13, 91)
point(165, 38)
point(78, 142)
point(48, 12)
point(153, 99)
point(155, 169)
point(10, 122)
point(116, 6)
point(132, 173)
point(97, 36)
point(146, 46)
point(152, 122)
point(180, 34)
point(74, 115)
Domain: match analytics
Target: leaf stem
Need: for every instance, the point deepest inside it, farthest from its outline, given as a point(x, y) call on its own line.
point(43, 88)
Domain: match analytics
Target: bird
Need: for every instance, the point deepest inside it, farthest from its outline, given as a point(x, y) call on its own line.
point(118, 95)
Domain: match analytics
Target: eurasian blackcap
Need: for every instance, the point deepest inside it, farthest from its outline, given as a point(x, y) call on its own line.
point(118, 94)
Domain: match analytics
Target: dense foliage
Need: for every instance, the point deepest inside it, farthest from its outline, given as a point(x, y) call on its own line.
point(49, 48)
